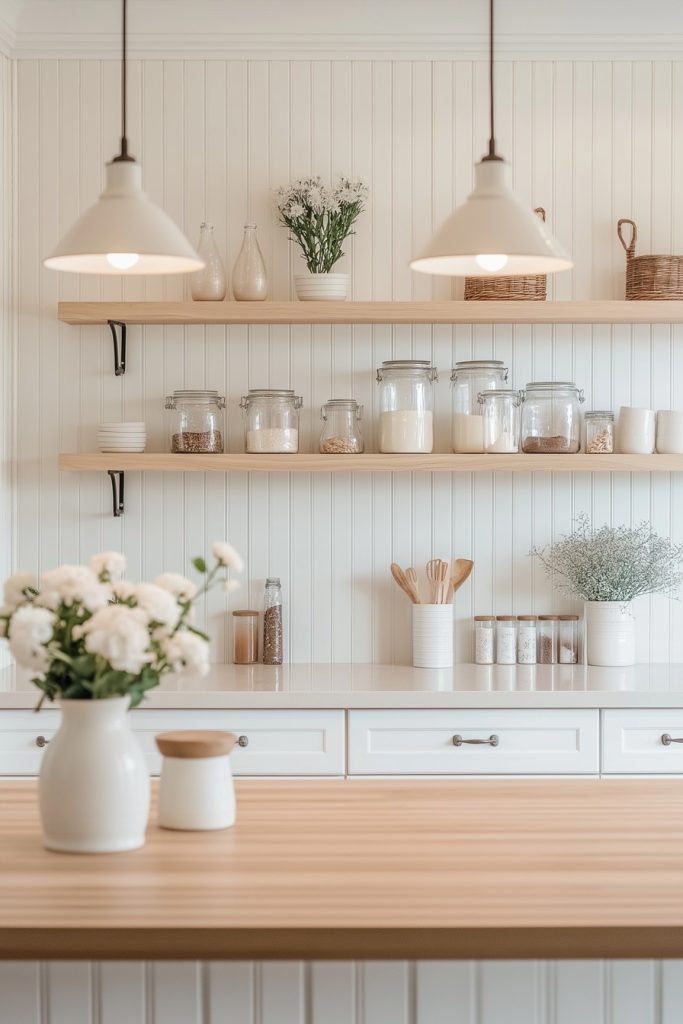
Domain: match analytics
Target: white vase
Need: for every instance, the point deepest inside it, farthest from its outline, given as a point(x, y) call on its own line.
point(94, 783)
point(432, 635)
point(321, 287)
point(610, 633)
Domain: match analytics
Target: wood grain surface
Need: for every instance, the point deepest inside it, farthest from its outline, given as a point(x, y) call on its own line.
point(365, 869)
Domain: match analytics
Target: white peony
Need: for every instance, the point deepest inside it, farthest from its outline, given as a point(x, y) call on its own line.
point(123, 590)
point(15, 587)
point(108, 565)
point(30, 630)
point(160, 606)
point(118, 634)
point(181, 588)
point(230, 586)
point(72, 584)
point(187, 653)
point(226, 555)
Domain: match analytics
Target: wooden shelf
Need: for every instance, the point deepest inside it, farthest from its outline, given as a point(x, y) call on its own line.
point(375, 463)
point(455, 312)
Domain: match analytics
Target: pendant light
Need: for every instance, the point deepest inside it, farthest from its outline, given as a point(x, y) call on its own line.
point(124, 232)
point(492, 233)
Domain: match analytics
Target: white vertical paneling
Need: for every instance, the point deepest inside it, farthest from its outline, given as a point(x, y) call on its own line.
point(333, 993)
point(231, 993)
point(385, 992)
point(21, 1000)
point(68, 992)
point(282, 993)
point(445, 992)
point(577, 992)
point(175, 993)
point(518, 984)
point(120, 993)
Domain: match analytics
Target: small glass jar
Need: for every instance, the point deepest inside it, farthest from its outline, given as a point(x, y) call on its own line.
point(506, 639)
point(245, 637)
point(341, 427)
point(500, 411)
point(599, 432)
point(271, 421)
point(484, 639)
point(272, 622)
point(547, 639)
point(196, 422)
point(526, 639)
point(551, 418)
point(406, 418)
point(569, 639)
point(469, 379)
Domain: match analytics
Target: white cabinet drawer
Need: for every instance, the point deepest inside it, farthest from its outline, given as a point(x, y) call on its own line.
point(633, 741)
point(277, 742)
point(440, 742)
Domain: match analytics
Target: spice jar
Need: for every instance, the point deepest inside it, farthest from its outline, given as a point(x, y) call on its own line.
point(526, 639)
point(484, 646)
point(271, 421)
point(569, 639)
point(500, 411)
point(469, 379)
point(551, 418)
point(196, 422)
point(272, 622)
point(599, 432)
point(547, 639)
point(506, 639)
point(245, 637)
point(196, 791)
point(406, 406)
point(341, 427)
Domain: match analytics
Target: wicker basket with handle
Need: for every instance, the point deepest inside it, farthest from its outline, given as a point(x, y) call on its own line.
point(528, 287)
point(650, 277)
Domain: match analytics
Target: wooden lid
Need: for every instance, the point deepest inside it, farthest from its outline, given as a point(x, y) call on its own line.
point(506, 618)
point(549, 618)
point(568, 618)
point(244, 611)
point(527, 618)
point(195, 743)
point(484, 618)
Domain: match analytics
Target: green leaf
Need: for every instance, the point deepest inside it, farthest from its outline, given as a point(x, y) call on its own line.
point(197, 632)
point(84, 666)
point(200, 565)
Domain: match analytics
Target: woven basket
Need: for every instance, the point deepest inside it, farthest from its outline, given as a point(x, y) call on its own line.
point(527, 288)
point(650, 277)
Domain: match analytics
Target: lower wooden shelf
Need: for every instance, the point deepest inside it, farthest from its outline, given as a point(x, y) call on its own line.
point(165, 462)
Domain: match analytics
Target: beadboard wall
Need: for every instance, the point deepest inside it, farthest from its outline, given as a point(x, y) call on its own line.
point(7, 321)
point(589, 140)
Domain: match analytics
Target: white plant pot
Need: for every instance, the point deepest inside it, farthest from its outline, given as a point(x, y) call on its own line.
point(432, 635)
point(321, 287)
point(610, 633)
point(94, 783)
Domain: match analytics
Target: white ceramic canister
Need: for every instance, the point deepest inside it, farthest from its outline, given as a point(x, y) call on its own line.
point(636, 430)
point(196, 791)
point(432, 635)
point(670, 432)
point(321, 287)
point(610, 633)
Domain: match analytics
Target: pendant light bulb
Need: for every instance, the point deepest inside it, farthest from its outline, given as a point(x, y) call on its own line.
point(491, 262)
point(123, 260)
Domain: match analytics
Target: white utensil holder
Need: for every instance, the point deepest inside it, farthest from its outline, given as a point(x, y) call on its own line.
point(432, 635)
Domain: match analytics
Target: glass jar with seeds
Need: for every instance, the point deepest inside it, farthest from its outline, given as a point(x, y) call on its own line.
point(196, 422)
point(272, 622)
point(341, 433)
point(599, 432)
point(547, 639)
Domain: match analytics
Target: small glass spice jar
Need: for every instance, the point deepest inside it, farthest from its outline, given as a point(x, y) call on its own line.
point(547, 639)
point(272, 622)
point(196, 422)
point(245, 637)
point(196, 791)
point(341, 427)
point(526, 639)
point(569, 639)
point(599, 432)
point(484, 639)
point(500, 410)
point(506, 639)
point(271, 421)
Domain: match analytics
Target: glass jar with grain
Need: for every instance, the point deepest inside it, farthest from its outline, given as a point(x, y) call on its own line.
point(599, 432)
point(196, 422)
point(547, 639)
point(272, 622)
point(341, 427)
point(551, 418)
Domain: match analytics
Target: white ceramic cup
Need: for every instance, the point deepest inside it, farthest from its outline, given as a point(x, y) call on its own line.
point(432, 635)
point(636, 430)
point(670, 432)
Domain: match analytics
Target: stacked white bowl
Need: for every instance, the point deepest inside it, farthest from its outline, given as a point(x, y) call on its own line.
point(121, 437)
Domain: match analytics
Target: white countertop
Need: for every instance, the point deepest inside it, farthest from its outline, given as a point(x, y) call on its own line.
point(399, 686)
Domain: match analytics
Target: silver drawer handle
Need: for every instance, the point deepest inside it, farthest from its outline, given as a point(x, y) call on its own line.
point(492, 741)
point(242, 741)
point(668, 740)
point(41, 741)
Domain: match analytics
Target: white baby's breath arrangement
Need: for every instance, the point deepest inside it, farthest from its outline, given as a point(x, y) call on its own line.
point(613, 563)
point(88, 634)
point(321, 217)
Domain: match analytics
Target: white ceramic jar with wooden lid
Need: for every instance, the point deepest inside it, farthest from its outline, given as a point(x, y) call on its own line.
point(196, 790)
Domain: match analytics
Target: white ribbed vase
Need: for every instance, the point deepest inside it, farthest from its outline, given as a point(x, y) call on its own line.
point(321, 287)
point(610, 633)
point(432, 635)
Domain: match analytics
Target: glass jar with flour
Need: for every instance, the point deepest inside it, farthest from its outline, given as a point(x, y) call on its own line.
point(406, 417)
point(469, 379)
point(271, 421)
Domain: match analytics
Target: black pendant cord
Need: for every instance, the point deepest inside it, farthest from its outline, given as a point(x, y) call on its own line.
point(491, 155)
point(123, 155)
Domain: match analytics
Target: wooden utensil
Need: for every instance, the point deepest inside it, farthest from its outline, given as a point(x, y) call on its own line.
point(411, 576)
point(460, 572)
point(432, 569)
point(403, 582)
point(442, 588)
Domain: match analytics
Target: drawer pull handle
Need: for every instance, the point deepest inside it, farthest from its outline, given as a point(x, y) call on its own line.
point(41, 741)
point(492, 741)
point(668, 740)
point(242, 741)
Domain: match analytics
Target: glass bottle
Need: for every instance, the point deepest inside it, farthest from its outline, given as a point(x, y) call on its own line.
point(245, 634)
point(272, 622)
point(599, 432)
point(249, 280)
point(208, 284)
point(341, 427)
point(406, 419)
point(469, 378)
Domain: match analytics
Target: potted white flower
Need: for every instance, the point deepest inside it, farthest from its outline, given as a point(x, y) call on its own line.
point(320, 218)
point(97, 644)
point(608, 568)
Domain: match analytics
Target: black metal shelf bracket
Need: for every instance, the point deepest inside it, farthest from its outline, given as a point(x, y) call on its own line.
point(116, 477)
point(119, 348)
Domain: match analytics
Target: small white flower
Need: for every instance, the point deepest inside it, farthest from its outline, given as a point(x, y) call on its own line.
point(15, 587)
point(230, 586)
point(72, 584)
point(187, 653)
point(176, 584)
point(30, 630)
point(119, 634)
point(316, 199)
point(123, 590)
point(226, 555)
point(159, 606)
point(108, 565)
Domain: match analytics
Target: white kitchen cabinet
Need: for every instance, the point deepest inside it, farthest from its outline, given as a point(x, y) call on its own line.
point(642, 741)
point(473, 742)
point(23, 737)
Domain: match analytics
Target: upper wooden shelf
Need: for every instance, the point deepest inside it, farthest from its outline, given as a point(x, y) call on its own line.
point(455, 312)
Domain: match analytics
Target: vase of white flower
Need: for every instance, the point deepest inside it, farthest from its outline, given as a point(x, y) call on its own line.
point(610, 633)
point(97, 644)
point(320, 218)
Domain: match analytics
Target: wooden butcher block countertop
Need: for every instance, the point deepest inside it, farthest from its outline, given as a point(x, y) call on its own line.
point(365, 869)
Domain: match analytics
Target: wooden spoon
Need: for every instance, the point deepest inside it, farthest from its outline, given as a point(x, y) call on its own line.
point(411, 576)
point(400, 577)
point(460, 572)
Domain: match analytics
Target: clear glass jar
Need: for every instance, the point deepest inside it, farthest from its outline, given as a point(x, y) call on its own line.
point(271, 421)
point(469, 379)
point(484, 639)
point(526, 639)
point(245, 637)
point(569, 639)
point(551, 418)
point(500, 410)
point(341, 433)
point(406, 421)
point(208, 284)
point(196, 422)
point(599, 432)
point(547, 639)
point(272, 622)
point(506, 639)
